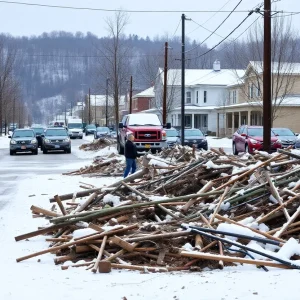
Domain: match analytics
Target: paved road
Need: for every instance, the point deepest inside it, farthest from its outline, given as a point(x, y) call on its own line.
point(16, 167)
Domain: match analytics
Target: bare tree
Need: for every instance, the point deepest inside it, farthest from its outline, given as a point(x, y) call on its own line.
point(284, 42)
point(7, 61)
point(115, 62)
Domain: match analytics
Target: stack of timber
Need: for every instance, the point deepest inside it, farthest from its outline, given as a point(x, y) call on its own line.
point(182, 211)
point(98, 144)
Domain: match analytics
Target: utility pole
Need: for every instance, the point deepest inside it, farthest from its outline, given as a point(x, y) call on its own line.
point(106, 103)
point(182, 78)
point(95, 111)
point(130, 96)
point(89, 105)
point(267, 73)
point(165, 86)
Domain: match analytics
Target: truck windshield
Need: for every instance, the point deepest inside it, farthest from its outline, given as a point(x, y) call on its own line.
point(144, 120)
point(74, 125)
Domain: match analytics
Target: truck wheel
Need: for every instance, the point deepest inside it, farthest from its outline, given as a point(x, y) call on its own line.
point(120, 148)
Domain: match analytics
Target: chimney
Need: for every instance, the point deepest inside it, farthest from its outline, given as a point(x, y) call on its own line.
point(217, 66)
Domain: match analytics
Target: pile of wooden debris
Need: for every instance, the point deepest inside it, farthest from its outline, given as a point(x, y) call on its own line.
point(97, 144)
point(183, 210)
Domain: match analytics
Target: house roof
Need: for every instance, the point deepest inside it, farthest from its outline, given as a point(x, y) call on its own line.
point(148, 93)
point(282, 68)
point(194, 77)
point(100, 100)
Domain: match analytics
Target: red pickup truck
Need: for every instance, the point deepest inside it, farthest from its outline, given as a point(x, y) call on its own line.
point(147, 130)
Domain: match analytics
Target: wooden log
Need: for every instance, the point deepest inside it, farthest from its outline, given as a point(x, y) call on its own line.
point(264, 218)
point(135, 191)
point(209, 256)
point(77, 194)
point(167, 211)
point(219, 204)
point(37, 232)
point(159, 236)
point(60, 205)
point(86, 203)
point(95, 268)
point(198, 242)
point(66, 245)
point(121, 243)
point(147, 268)
point(46, 212)
point(276, 195)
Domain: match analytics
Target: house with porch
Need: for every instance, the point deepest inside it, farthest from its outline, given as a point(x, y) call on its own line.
point(244, 104)
point(205, 90)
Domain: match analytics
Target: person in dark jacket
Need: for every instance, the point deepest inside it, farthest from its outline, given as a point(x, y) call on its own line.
point(130, 155)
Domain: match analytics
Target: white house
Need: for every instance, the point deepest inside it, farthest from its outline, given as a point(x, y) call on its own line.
point(205, 90)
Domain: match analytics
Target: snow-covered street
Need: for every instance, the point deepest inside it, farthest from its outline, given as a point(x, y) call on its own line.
point(30, 179)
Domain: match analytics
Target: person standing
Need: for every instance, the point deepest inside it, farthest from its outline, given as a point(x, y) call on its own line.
point(130, 155)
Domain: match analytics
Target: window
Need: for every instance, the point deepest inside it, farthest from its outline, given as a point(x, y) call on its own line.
point(188, 97)
point(205, 96)
point(258, 93)
point(229, 97)
point(251, 94)
point(197, 97)
point(233, 97)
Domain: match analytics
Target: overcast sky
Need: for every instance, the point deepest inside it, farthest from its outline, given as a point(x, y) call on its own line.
point(29, 20)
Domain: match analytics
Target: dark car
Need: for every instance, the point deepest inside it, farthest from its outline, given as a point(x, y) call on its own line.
point(172, 136)
point(250, 138)
point(90, 129)
point(56, 139)
point(38, 134)
point(194, 137)
point(101, 132)
point(23, 140)
point(286, 136)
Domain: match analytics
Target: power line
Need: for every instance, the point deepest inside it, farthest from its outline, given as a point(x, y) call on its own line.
point(209, 18)
point(249, 14)
point(216, 28)
point(176, 29)
point(116, 10)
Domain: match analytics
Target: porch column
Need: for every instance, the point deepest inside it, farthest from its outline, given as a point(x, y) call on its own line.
point(193, 120)
point(218, 125)
point(240, 119)
point(232, 123)
point(249, 117)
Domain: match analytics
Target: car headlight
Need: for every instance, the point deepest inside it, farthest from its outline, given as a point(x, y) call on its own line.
point(252, 141)
point(47, 141)
point(186, 141)
point(278, 141)
point(13, 142)
point(67, 140)
point(164, 136)
point(34, 141)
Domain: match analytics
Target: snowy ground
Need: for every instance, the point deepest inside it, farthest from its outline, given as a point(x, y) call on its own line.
point(40, 278)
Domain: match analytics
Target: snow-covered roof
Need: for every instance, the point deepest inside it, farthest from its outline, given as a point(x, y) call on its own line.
point(194, 77)
point(282, 68)
point(100, 100)
point(148, 93)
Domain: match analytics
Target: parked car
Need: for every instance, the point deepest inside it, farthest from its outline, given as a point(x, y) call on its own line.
point(250, 138)
point(90, 129)
point(192, 137)
point(101, 132)
point(286, 136)
point(23, 140)
point(38, 134)
point(56, 139)
point(172, 136)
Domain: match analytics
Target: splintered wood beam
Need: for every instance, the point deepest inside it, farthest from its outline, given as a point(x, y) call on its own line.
point(209, 256)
